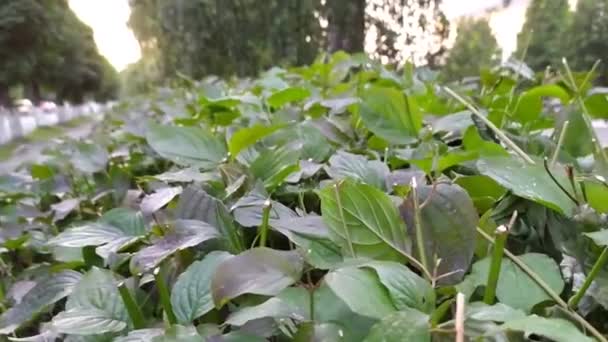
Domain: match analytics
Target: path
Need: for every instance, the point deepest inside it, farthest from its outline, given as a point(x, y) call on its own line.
point(32, 152)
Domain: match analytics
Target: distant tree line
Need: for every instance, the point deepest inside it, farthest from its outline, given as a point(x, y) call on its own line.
point(242, 37)
point(550, 32)
point(48, 52)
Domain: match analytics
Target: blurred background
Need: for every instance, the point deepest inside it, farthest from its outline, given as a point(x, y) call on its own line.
point(60, 50)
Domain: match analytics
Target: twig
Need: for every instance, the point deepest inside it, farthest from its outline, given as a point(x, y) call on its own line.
point(265, 219)
point(572, 198)
point(418, 225)
point(459, 317)
point(538, 280)
point(503, 137)
point(560, 142)
point(585, 114)
point(599, 264)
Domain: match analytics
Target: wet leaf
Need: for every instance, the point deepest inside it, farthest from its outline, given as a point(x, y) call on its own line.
point(528, 181)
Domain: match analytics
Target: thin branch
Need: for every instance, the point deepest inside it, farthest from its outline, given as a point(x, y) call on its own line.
point(503, 137)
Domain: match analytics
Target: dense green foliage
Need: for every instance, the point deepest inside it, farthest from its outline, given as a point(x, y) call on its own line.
point(475, 48)
point(341, 201)
point(45, 48)
point(586, 36)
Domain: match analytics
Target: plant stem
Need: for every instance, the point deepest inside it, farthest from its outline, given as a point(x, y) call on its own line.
point(585, 113)
point(440, 311)
point(459, 319)
point(538, 280)
point(500, 238)
point(132, 308)
point(599, 264)
point(165, 298)
point(418, 225)
point(263, 230)
point(560, 142)
point(503, 137)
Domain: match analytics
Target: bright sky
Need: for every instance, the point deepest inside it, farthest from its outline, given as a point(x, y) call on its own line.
point(108, 18)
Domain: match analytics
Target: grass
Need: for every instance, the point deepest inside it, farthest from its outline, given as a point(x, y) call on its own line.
point(41, 134)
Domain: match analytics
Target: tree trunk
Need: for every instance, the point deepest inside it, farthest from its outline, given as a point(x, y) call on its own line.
point(346, 25)
point(5, 100)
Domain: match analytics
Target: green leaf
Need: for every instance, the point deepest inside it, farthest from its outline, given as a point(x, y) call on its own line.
point(515, 288)
point(161, 197)
point(556, 329)
point(449, 221)
point(47, 291)
point(191, 294)
point(129, 221)
point(186, 146)
point(115, 230)
point(246, 137)
point(389, 114)
point(91, 234)
point(248, 210)
point(362, 291)
point(530, 104)
point(141, 335)
point(362, 214)
point(184, 234)
point(287, 95)
point(97, 290)
point(528, 181)
point(273, 166)
point(89, 158)
point(262, 271)
point(406, 325)
point(347, 165)
point(195, 204)
point(86, 322)
point(498, 312)
point(406, 288)
point(600, 237)
point(292, 303)
point(179, 333)
point(483, 190)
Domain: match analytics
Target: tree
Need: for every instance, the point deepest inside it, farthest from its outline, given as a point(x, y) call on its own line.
point(543, 32)
point(43, 45)
point(400, 30)
point(586, 36)
point(475, 48)
point(226, 37)
point(346, 25)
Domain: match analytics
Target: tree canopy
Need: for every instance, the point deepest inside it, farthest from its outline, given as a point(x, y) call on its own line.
point(541, 37)
point(587, 36)
point(242, 37)
point(475, 48)
point(44, 46)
